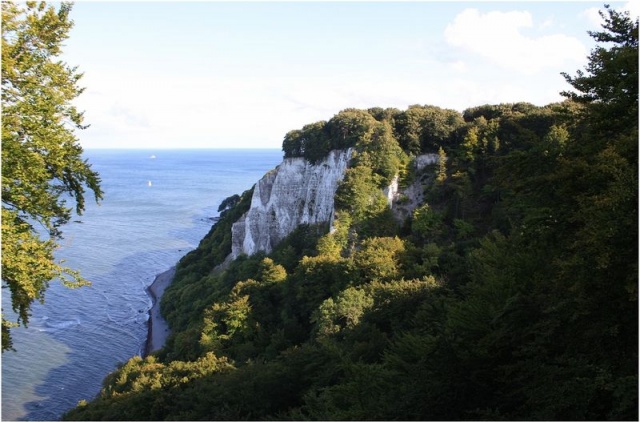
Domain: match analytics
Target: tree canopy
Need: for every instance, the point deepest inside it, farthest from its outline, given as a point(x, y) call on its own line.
point(42, 164)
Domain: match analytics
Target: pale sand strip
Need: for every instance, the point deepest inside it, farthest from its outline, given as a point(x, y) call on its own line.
point(158, 327)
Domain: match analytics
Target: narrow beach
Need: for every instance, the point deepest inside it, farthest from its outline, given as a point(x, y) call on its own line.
point(158, 327)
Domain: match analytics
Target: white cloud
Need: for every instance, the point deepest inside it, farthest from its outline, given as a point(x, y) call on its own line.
point(128, 116)
point(546, 24)
point(633, 8)
point(156, 110)
point(592, 15)
point(459, 66)
point(499, 37)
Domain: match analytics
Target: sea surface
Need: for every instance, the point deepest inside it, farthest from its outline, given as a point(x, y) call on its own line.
point(157, 206)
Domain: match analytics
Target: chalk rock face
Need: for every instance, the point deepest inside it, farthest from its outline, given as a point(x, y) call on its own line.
point(392, 191)
point(296, 192)
point(412, 195)
point(426, 159)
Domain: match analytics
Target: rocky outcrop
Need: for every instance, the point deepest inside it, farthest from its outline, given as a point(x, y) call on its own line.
point(404, 201)
point(424, 160)
point(296, 192)
point(299, 192)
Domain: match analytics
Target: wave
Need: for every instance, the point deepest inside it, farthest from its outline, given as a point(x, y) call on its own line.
point(50, 326)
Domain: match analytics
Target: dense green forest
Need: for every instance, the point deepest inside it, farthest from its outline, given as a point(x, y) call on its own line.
point(509, 292)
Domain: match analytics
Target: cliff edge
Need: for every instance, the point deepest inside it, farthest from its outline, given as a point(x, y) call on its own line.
point(296, 192)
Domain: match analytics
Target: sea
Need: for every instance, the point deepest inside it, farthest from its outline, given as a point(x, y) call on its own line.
point(157, 206)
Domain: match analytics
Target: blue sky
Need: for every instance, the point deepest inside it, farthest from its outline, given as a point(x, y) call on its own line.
point(242, 74)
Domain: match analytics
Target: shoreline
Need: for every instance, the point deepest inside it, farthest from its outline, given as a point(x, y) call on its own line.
point(158, 330)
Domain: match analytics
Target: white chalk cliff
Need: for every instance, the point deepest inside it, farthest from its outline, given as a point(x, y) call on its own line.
point(404, 201)
point(296, 192)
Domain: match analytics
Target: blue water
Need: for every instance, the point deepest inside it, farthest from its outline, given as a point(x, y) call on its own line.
point(140, 229)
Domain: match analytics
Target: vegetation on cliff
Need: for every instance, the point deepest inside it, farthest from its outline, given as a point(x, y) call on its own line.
point(510, 292)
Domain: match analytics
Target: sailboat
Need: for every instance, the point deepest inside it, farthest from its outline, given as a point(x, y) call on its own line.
point(149, 183)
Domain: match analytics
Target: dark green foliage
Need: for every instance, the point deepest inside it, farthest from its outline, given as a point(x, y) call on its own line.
point(216, 245)
point(316, 142)
point(228, 203)
point(381, 153)
point(510, 293)
point(490, 112)
point(292, 144)
point(612, 75)
point(359, 193)
point(344, 130)
point(194, 282)
point(350, 127)
point(422, 129)
point(385, 114)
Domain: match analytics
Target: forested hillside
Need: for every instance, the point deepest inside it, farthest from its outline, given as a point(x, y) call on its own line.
point(510, 291)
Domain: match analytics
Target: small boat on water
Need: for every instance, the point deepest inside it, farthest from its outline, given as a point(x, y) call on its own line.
point(149, 183)
point(152, 157)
